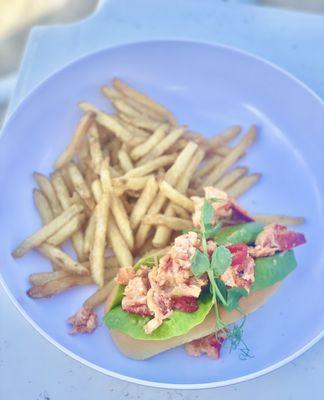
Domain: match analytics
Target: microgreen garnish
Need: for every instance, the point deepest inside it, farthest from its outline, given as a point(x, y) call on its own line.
point(214, 267)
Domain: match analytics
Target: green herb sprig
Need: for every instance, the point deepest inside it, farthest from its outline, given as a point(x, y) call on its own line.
point(214, 267)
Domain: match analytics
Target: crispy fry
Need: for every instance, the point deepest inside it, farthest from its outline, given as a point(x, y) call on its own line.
point(186, 177)
point(67, 179)
point(67, 230)
point(242, 185)
point(151, 166)
point(95, 149)
point(78, 136)
point(64, 198)
point(164, 145)
point(89, 234)
point(145, 100)
point(41, 278)
point(99, 243)
point(48, 190)
point(144, 202)
point(174, 223)
point(121, 185)
point(231, 158)
point(99, 296)
point(231, 177)
point(111, 93)
point(176, 197)
point(43, 206)
point(62, 259)
point(222, 138)
point(105, 178)
point(107, 121)
point(154, 140)
point(279, 219)
point(208, 166)
point(96, 189)
point(58, 285)
point(46, 231)
point(124, 161)
point(80, 185)
point(180, 212)
point(119, 212)
point(119, 245)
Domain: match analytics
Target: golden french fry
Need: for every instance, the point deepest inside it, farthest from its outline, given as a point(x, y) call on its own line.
point(95, 149)
point(105, 178)
point(89, 234)
point(174, 223)
point(118, 244)
point(96, 189)
point(48, 190)
point(151, 166)
point(58, 285)
point(208, 166)
point(176, 197)
point(107, 121)
point(224, 137)
point(111, 93)
point(66, 231)
point(81, 186)
point(124, 161)
point(144, 202)
point(62, 259)
point(153, 141)
point(99, 296)
point(242, 185)
point(66, 177)
point(78, 136)
point(41, 278)
point(47, 231)
point(230, 177)
point(169, 140)
point(231, 158)
point(122, 185)
point(43, 206)
point(279, 219)
point(64, 198)
point(97, 251)
point(180, 212)
point(119, 212)
point(187, 175)
point(145, 100)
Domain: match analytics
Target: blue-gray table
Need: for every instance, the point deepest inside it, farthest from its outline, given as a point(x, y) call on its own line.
point(30, 367)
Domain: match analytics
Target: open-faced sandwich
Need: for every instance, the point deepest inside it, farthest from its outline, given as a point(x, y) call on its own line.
point(211, 276)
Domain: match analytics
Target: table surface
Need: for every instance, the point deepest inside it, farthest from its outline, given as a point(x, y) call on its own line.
point(30, 367)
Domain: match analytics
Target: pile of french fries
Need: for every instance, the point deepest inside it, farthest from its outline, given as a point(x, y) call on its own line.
point(122, 187)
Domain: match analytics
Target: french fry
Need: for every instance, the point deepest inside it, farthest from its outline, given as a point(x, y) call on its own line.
point(89, 234)
point(208, 166)
point(75, 144)
point(105, 178)
point(121, 185)
point(119, 212)
point(154, 140)
point(231, 158)
point(43, 206)
point(66, 177)
point(64, 198)
point(97, 251)
point(142, 205)
point(186, 177)
point(223, 150)
point(107, 121)
point(118, 244)
point(58, 285)
point(111, 93)
point(80, 185)
point(164, 145)
point(145, 100)
point(224, 137)
point(180, 212)
point(99, 296)
point(41, 278)
point(230, 177)
point(124, 161)
point(47, 231)
point(174, 223)
point(62, 259)
point(151, 166)
point(176, 197)
point(114, 146)
point(66, 231)
point(242, 185)
point(96, 189)
point(48, 190)
point(278, 219)
point(95, 149)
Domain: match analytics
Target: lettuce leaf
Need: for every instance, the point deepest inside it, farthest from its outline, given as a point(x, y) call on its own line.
point(270, 270)
point(178, 324)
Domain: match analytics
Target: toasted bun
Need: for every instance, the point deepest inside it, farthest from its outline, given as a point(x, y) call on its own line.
point(142, 349)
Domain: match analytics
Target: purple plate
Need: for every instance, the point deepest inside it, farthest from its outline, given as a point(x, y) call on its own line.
point(209, 88)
